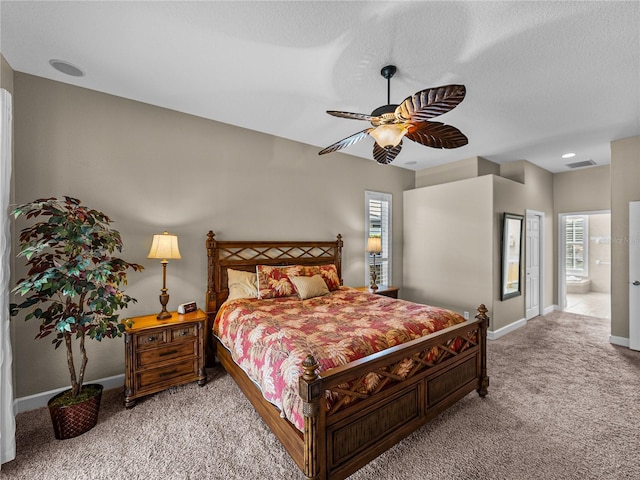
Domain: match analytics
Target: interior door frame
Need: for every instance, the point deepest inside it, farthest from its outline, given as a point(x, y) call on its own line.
point(541, 285)
point(562, 264)
point(634, 275)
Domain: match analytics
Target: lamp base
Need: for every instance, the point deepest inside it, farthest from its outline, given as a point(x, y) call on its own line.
point(374, 277)
point(164, 299)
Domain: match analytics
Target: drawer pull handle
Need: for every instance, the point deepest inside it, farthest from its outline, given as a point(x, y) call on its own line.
point(184, 332)
point(152, 339)
point(165, 374)
point(168, 352)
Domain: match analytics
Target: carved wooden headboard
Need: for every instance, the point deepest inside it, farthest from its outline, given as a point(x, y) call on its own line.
point(245, 255)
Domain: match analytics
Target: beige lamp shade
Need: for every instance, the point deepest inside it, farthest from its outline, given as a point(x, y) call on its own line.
point(389, 135)
point(164, 246)
point(374, 245)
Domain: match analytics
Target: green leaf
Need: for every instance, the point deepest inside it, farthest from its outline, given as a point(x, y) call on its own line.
point(72, 277)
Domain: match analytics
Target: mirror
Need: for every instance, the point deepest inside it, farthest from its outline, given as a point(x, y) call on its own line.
point(511, 255)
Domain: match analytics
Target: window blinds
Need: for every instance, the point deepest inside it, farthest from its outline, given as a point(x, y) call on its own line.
point(378, 223)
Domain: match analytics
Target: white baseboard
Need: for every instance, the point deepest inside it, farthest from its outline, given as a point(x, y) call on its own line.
point(31, 402)
point(622, 341)
point(492, 335)
point(549, 309)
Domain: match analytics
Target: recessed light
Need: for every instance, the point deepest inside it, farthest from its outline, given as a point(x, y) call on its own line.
point(66, 68)
point(568, 155)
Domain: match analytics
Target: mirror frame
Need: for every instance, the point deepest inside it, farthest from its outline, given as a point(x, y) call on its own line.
point(512, 225)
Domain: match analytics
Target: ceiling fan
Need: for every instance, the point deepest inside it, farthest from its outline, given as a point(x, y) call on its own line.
point(409, 119)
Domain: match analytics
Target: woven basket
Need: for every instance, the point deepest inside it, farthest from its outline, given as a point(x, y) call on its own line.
point(72, 420)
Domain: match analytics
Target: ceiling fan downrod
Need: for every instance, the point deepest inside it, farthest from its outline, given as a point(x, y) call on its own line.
point(388, 72)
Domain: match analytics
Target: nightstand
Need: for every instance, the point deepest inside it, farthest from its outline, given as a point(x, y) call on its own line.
point(160, 354)
point(386, 290)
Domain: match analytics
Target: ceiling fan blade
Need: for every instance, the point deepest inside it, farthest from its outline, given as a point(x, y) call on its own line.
point(353, 116)
point(346, 142)
point(436, 135)
point(385, 156)
point(430, 103)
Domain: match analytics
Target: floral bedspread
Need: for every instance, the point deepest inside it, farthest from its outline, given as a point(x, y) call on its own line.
point(270, 338)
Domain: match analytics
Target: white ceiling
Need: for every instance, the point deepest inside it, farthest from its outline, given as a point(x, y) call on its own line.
point(543, 78)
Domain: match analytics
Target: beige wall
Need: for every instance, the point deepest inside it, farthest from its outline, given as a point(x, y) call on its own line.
point(453, 237)
point(600, 252)
point(153, 169)
point(538, 196)
point(448, 244)
point(454, 171)
point(508, 196)
point(625, 181)
point(6, 75)
point(582, 190)
point(514, 170)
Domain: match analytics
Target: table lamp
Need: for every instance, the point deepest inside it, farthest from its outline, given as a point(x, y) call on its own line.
point(164, 246)
point(374, 246)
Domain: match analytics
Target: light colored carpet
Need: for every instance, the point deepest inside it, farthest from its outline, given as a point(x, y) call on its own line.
point(563, 404)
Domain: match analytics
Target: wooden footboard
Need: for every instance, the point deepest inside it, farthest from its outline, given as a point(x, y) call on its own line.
point(359, 427)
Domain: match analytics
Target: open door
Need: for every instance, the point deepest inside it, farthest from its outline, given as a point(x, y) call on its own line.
point(634, 275)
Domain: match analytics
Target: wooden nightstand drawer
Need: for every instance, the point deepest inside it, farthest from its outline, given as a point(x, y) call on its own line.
point(152, 338)
point(171, 373)
point(161, 354)
point(167, 353)
point(183, 332)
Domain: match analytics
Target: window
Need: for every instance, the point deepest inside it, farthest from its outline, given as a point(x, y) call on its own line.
point(576, 234)
point(378, 224)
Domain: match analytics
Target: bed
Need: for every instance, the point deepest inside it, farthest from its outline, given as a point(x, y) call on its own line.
point(332, 439)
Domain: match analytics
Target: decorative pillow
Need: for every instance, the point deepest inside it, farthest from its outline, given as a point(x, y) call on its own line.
point(309, 287)
point(242, 284)
point(329, 274)
point(274, 282)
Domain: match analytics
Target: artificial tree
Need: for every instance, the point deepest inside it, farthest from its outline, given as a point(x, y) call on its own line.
point(73, 281)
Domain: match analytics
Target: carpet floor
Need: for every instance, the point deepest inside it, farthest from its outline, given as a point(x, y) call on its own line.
point(563, 403)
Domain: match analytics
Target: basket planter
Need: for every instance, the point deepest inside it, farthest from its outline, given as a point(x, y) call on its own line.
point(72, 420)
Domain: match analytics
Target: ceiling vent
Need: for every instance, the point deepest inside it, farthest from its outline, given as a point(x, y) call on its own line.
point(585, 163)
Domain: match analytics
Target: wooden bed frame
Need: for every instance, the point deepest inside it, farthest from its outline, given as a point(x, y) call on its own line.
point(358, 427)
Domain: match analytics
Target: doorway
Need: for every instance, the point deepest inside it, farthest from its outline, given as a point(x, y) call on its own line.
point(584, 266)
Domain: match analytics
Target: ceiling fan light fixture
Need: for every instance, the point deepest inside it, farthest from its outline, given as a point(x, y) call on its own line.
point(389, 135)
point(410, 119)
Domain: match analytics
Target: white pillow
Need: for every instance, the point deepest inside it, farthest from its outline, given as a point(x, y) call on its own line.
point(242, 284)
point(309, 287)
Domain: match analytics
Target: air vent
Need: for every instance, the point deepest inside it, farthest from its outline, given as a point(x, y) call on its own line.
point(585, 163)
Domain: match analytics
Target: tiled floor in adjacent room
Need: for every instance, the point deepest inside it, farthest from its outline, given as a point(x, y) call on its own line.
point(594, 304)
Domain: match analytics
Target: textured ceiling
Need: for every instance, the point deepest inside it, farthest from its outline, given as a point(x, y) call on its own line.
point(542, 78)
